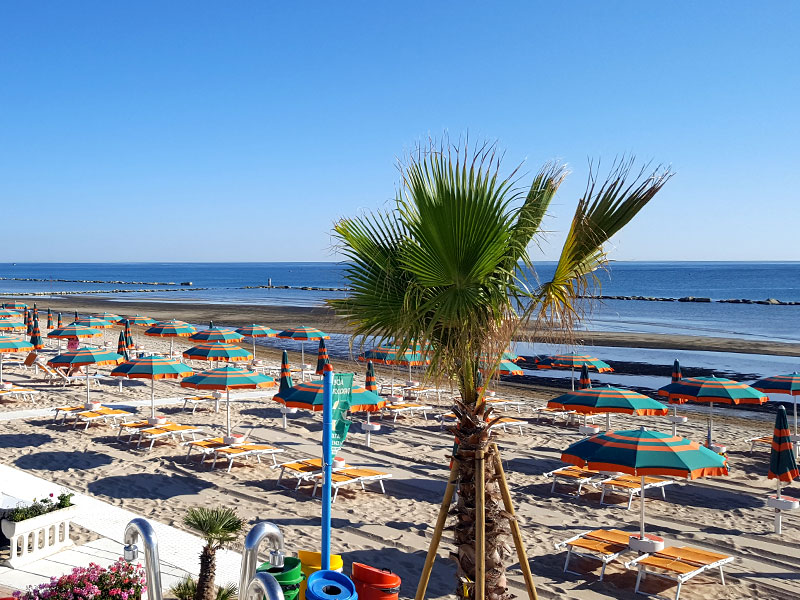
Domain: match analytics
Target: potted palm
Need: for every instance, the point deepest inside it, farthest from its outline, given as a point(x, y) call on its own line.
point(217, 527)
point(38, 529)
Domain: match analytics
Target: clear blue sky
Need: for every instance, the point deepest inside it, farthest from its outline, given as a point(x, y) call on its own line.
point(242, 130)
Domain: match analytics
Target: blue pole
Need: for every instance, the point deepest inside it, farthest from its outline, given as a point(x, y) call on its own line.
point(327, 463)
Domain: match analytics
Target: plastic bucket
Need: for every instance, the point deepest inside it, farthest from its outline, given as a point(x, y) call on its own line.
point(290, 576)
point(330, 585)
point(375, 584)
point(311, 563)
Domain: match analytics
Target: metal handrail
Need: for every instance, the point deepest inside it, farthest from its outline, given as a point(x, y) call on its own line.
point(141, 528)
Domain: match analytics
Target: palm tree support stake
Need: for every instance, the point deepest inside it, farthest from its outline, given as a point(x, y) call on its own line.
point(480, 526)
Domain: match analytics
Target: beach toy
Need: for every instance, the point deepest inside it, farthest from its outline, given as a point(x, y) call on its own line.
point(375, 584)
point(290, 576)
point(311, 563)
point(330, 585)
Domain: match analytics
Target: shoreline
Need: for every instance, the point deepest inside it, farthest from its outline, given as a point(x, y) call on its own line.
point(285, 316)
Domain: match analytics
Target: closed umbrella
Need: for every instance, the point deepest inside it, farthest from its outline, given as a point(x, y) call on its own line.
point(36, 335)
point(371, 384)
point(126, 330)
point(58, 325)
point(286, 374)
point(227, 378)
point(303, 334)
point(28, 323)
point(218, 351)
point(11, 345)
point(49, 319)
point(122, 348)
point(322, 358)
point(256, 331)
point(152, 368)
point(781, 384)
point(83, 357)
point(171, 329)
point(640, 453)
point(608, 399)
point(676, 371)
point(216, 334)
point(584, 381)
point(782, 465)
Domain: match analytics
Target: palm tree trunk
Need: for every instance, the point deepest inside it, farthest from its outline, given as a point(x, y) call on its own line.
point(205, 580)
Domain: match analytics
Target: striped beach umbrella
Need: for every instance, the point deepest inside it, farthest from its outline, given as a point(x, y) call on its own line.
point(126, 330)
point(303, 334)
point(36, 335)
point(572, 361)
point(218, 351)
point(216, 334)
point(171, 329)
point(676, 371)
point(322, 357)
point(781, 384)
point(10, 314)
point(371, 384)
point(107, 316)
point(640, 453)
point(608, 399)
point(256, 331)
point(49, 319)
point(28, 323)
point(58, 325)
point(11, 345)
point(73, 331)
point(20, 306)
point(122, 348)
point(9, 325)
point(782, 465)
point(141, 321)
point(308, 396)
point(94, 322)
point(227, 378)
point(584, 381)
point(507, 367)
point(152, 368)
point(392, 355)
point(711, 390)
point(286, 374)
point(83, 357)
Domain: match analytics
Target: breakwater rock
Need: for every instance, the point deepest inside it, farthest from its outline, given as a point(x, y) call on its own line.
point(88, 281)
point(700, 299)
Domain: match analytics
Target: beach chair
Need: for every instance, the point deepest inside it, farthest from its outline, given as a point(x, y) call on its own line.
point(134, 427)
point(65, 411)
point(15, 392)
point(196, 401)
point(766, 440)
point(56, 375)
point(205, 446)
point(349, 476)
point(101, 415)
point(504, 422)
point(633, 486)
point(576, 476)
point(554, 414)
point(410, 408)
point(499, 403)
point(167, 430)
point(679, 564)
point(301, 470)
point(27, 363)
point(244, 451)
point(604, 545)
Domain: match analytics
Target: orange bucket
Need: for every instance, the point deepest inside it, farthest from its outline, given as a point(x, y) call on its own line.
point(375, 584)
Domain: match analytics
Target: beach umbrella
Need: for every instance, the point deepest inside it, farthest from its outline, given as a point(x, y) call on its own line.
point(217, 351)
point(322, 357)
point(152, 368)
point(171, 329)
point(58, 325)
point(15, 306)
point(126, 329)
point(142, 321)
point(122, 348)
point(9, 325)
point(640, 453)
point(711, 390)
point(507, 367)
point(608, 399)
point(11, 345)
point(371, 384)
point(573, 361)
point(49, 319)
point(392, 355)
point(216, 334)
point(9, 314)
point(302, 335)
point(73, 331)
point(782, 465)
point(107, 316)
point(36, 335)
point(28, 323)
point(286, 374)
point(227, 378)
point(25, 317)
point(256, 331)
point(94, 322)
point(583, 381)
point(83, 357)
point(676, 371)
point(308, 396)
point(781, 384)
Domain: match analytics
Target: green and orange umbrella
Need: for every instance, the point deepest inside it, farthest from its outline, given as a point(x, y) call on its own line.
point(126, 331)
point(9, 314)
point(12, 345)
point(19, 306)
point(322, 358)
point(171, 329)
point(608, 399)
point(393, 355)
point(308, 396)
point(152, 368)
point(107, 316)
point(49, 319)
point(73, 331)
point(9, 325)
point(36, 335)
point(573, 360)
point(782, 465)
point(28, 322)
point(256, 331)
point(141, 321)
point(286, 374)
point(216, 334)
point(58, 325)
point(584, 381)
point(83, 357)
point(781, 384)
point(122, 348)
point(711, 390)
point(227, 378)
point(371, 383)
point(641, 453)
point(94, 322)
point(218, 352)
point(676, 371)
point(303, 334)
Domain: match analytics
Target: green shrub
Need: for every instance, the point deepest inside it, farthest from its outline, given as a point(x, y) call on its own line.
point(39, 507)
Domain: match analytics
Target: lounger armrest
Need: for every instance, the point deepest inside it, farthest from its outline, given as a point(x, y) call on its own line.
point(632, 563)
point(563, 543)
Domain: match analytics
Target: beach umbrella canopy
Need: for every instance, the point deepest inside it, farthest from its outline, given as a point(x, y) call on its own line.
point(391, 355)
point(122, 348)
point(94, 322)
point(574, 360)
point(74, 331)
point(141, 320)
point(507, 367)
point(9, 325)
point(303, 334)
point(152, 368)
point(286, 374)
point(36, 335)
point(216, 334)
point(584, 381)
point(256, 331)
point(308, 396)
point(227, 378)
point(12, 345)
point(49, 319)
point(710, 390)
point(322, 357)
point(83, 357)
point(171, 329)
point(781, 384)
point(15, 306)
point(640, 453)
point(608, 399)
point(782, 465)
point(217, 351)
point(371, 383)
point(10, 314)
point(107, 316)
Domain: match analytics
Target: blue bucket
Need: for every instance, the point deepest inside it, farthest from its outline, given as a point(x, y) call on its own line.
point(330, 585)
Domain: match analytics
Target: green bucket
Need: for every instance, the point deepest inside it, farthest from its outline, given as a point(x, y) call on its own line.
point(289, 576)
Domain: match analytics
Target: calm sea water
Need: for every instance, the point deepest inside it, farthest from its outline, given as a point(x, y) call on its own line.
point(224, 283)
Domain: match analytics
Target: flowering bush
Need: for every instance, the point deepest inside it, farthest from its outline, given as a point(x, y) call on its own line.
point(121, 581)
point(39, 507)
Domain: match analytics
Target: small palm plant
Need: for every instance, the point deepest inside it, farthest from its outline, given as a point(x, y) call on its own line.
point(449, 265)
point(217, 526)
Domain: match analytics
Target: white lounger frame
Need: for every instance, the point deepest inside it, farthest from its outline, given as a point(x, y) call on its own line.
point(680, 579)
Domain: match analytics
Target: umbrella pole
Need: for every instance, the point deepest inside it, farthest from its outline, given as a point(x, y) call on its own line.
point(1, 380)
point(302, 361)
point(171, 342)
point(153, 398)
point(87, 384)
point(254, 348)
point(710, 425)
point(641, 510)
point(778, 512)
point(228, 411)
point(608, 421)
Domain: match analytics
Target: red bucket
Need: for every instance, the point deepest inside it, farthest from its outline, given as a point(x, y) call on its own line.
point(375, 584)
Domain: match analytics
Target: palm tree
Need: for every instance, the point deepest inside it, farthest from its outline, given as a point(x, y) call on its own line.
point(217, 526)
point(449, 264)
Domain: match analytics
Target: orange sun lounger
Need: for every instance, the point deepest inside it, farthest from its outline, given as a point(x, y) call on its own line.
point(604, 545)
point(633, 486)
point(575, 476)
point(244, 451)
point(169, 430)
point(348, 476)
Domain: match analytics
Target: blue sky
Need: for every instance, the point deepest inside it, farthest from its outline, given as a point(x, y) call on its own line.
point(241, 131)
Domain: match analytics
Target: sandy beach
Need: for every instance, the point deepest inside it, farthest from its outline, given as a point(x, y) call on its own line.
point(724, 514)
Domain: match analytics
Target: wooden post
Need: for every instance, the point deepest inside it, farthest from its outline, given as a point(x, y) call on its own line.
point(480, 525)
point(515, 531)
point(422, 586)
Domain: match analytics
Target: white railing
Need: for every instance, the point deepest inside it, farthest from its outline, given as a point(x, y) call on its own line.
point(38, 537)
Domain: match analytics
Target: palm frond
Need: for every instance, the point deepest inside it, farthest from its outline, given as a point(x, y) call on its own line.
point(217, 526)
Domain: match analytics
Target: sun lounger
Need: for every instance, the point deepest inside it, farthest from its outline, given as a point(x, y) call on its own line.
point(101, 415)
point(28, 362)
point(604, 545)
point(678, 563)
point(244, 451)
point(765, 440)
point(409, 407)
point(633, 486)
point(167, 430)
point(575, 476)
point(351, 475)
point(134, 427)
point(206, 446)
point(504, 422)
point(56, 375)
point(554, 414)
point(195, 401)
point(302, 470)
point(498, 403)
point(18, 392)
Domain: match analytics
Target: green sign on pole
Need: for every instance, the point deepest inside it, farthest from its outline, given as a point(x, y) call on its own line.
point(342, 392)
